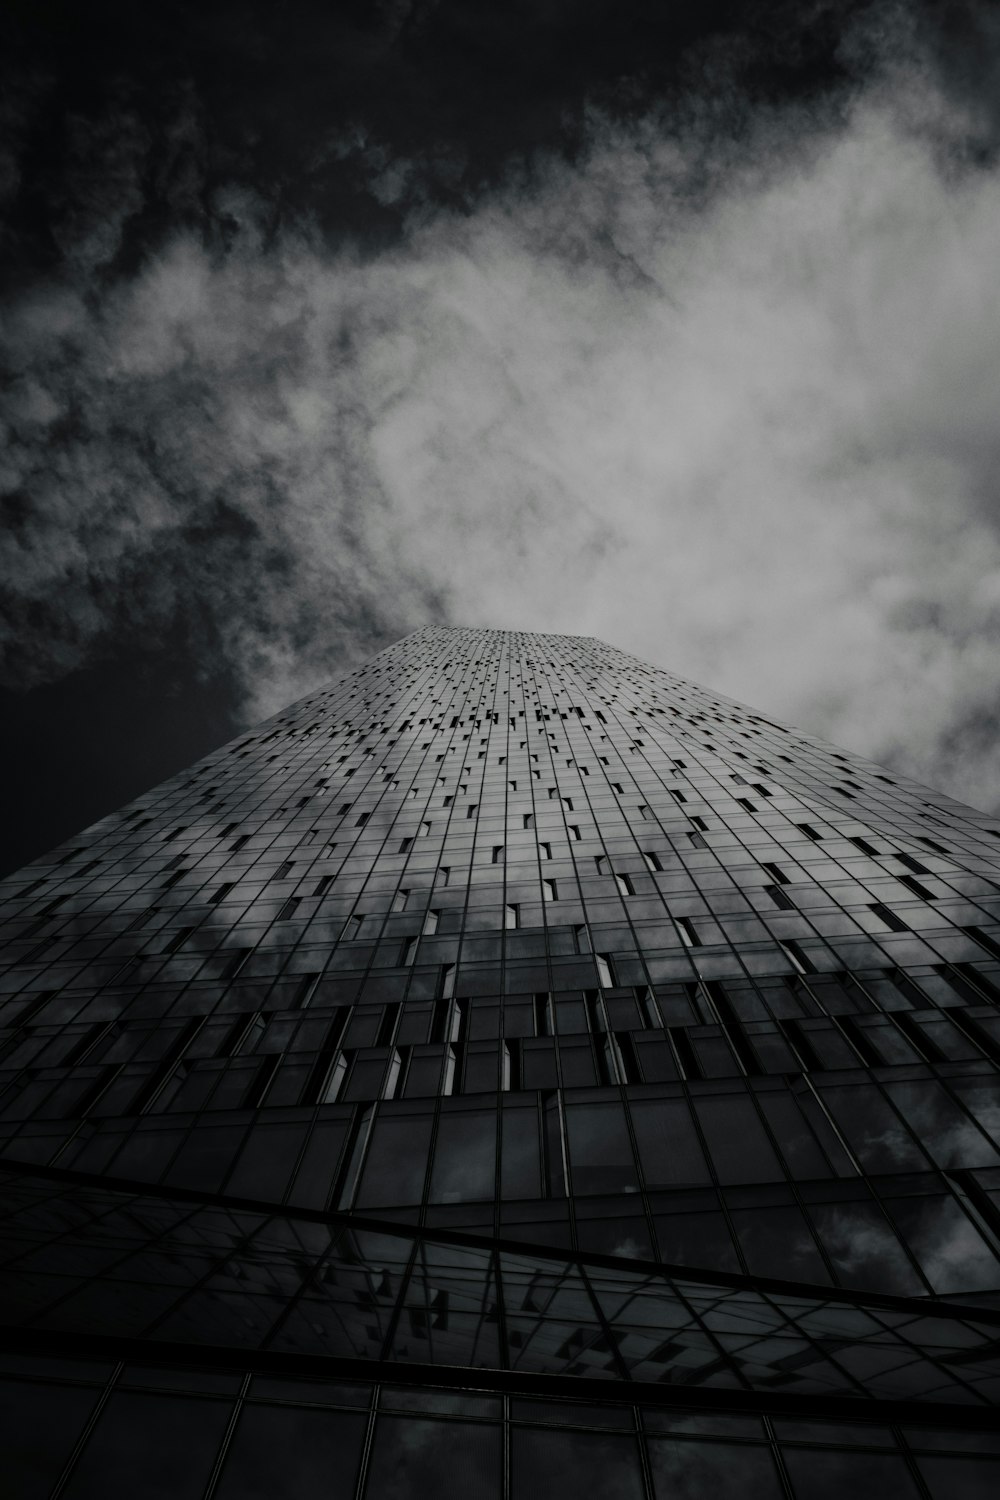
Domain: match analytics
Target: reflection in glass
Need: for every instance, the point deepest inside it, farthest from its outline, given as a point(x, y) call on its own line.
point(279, 1450)
point(570, 1465)
point(832, 1473)
point(38, 1428)
point(160, 1447)
point(692, 1470)
point(415, 1458)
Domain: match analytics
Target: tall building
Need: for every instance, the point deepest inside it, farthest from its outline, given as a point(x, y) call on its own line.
point(511, 1071)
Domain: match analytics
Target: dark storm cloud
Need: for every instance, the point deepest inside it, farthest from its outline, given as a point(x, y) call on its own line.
point(711, 378)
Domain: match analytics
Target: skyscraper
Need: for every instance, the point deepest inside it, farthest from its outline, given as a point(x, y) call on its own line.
point(510, 1071)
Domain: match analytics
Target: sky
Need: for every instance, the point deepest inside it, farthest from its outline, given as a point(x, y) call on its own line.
point(676, 326)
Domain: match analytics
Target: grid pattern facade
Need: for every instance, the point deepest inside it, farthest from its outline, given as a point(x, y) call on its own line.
point(511, 1051)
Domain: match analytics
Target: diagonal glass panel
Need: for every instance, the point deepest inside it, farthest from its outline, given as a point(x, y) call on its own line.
point(552, 1324)
point(217, 1274)
point(348, 1304)
point(450, 1313)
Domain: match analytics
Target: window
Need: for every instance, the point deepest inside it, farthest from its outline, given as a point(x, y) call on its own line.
point(688, 932)
point(797, 956)
point(737, 1142)
point(396, 1161)
point(600, 1153)
point(917, 888)
point(415, 1455)
point(464, 1158)
point(565, 1465)
point(888, 916)
point(669, 1150)
point(825, 1473)
point(721, 1469)
point(134, 1448)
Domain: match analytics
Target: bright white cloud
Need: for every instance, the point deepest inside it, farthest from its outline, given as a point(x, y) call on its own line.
point(748, 435)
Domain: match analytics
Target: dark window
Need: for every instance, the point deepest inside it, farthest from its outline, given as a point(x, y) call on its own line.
point(294, 1450)
point(464, 1158)
point(832, 1473)
point(137, 1448)
point(737, 1141)
point(396, 1162)
point(691, 1470)
point(39, 1424)
point(888, 916)
point(669, 1149)
point(599, 1149)
point(570, 1465)
point(417, 1457)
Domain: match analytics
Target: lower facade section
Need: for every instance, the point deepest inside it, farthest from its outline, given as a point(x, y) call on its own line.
point(165, 1344)
point(128, 1422)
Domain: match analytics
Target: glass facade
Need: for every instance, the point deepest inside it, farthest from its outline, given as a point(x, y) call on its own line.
point(510, 1070)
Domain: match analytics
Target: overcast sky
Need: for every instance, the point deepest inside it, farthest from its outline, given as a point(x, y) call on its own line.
point(319, 326)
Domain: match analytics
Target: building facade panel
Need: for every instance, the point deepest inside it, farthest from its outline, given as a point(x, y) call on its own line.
point(517, 1026)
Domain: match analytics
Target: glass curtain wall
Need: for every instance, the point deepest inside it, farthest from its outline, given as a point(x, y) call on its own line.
point(512, 1069)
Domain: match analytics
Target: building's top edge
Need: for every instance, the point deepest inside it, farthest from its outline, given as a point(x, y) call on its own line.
point(544, 635)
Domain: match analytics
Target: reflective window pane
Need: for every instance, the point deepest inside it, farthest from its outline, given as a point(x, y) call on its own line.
point(293, 1450)
point(568, 1465)
point(414, 1458)
point(162, 1447)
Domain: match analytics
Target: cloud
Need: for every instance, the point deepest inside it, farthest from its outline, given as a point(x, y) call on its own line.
point(724, 400)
